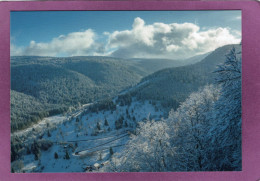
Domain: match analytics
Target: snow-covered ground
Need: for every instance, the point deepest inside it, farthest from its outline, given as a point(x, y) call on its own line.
point(48, 123)
point(85, 136)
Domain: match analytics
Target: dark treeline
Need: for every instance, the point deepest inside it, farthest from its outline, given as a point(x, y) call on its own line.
point(26, 110)
point(19, 148)
point(106, 104)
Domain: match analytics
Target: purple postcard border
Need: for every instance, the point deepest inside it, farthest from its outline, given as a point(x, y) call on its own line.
point(250, 88)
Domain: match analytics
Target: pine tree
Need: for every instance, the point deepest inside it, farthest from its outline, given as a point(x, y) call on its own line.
point(67, 156)
point(56, 156)
point(119, 123)
point(111, 151)
point(126, 125)
point(98, 126)
point(35, 150)
point(226, 143)
point(106, 122)
point(36, 156)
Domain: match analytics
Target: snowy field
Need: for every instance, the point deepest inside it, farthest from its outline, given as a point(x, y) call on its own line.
point(84, 141)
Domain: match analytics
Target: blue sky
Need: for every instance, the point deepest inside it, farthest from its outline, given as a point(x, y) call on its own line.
point(112, 33)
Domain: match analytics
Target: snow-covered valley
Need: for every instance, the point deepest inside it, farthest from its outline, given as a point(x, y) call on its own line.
point(84, 140)
point(176, 119)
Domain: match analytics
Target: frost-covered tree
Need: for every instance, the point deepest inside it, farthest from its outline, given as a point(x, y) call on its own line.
point(203, 134)
point(226, 125)
point(175, 144)
point(189, 126)
point(148, 150)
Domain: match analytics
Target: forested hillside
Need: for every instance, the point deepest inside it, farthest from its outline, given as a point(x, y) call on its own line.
point(173, 85)
point(27, 110)
point(64, 83)
point(55, 84)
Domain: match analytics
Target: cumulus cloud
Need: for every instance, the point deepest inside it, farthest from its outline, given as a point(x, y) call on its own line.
point(72, 44)
point(157, 40)
point(168, 40)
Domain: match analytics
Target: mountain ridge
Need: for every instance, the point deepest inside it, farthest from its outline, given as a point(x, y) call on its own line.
point(173, 85)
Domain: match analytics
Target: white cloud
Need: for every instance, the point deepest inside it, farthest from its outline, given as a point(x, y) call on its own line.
point(168, 40)
point(72, 44)
point(157, 40)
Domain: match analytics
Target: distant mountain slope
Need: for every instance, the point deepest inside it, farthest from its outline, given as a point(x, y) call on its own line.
point(112, 73)
point(68, 81)
point(51, 84)
point(195, 59)
point(65, 82)
point(173, 85)
point(149, 66)
point(88, 64)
